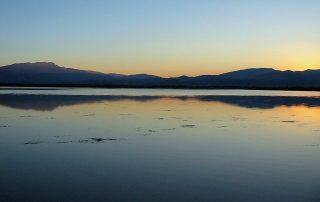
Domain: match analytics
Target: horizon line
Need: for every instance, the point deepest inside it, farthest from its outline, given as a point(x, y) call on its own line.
point(181, 75)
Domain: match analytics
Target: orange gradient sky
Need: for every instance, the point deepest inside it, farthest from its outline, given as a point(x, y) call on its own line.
point(165, 38)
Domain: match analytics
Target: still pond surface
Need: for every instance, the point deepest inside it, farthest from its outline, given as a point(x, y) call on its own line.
point(159, 145)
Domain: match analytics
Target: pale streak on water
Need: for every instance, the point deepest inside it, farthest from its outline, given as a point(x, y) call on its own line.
point(159, 145)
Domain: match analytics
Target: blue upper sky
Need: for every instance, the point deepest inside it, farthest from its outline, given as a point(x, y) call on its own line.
point(162, 37)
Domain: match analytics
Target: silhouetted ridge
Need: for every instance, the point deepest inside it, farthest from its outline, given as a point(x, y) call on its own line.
point(50, 74)
point(245, 73)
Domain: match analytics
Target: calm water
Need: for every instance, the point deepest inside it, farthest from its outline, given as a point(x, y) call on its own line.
point(159, 145)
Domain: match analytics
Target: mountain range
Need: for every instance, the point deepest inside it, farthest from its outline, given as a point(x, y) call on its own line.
point(50, 74)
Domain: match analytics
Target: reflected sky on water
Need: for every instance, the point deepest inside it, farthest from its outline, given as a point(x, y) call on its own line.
point(175, 147)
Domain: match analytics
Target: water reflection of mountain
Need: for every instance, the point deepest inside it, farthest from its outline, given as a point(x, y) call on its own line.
point(51, 102)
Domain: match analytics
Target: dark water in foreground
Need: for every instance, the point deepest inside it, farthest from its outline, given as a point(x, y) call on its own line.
point(143, 146)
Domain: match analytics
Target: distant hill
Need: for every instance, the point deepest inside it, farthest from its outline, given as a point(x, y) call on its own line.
point(50, 74)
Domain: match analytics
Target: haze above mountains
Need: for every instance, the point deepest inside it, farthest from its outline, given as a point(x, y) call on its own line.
point(50, 74)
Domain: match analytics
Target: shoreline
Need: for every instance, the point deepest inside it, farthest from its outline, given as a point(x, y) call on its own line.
point(280, 88)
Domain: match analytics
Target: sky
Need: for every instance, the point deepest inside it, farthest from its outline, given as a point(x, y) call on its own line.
point(163, 37)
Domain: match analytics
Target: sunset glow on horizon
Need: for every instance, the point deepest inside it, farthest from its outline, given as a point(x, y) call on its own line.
point(164, 38)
